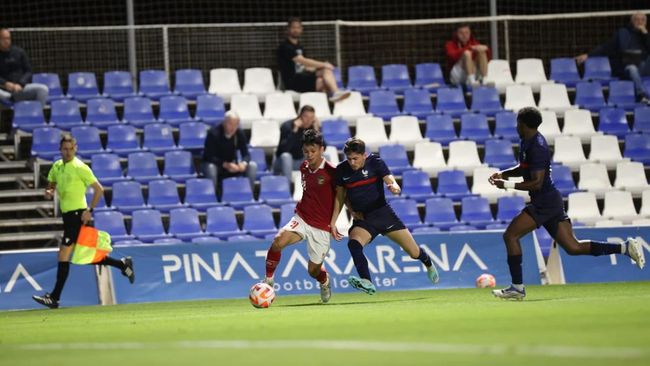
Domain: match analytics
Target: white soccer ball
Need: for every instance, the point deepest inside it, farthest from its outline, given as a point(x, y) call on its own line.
point(485, 280)
point(261, 295)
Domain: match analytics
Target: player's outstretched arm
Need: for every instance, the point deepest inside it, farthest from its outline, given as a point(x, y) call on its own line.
point(338, 204)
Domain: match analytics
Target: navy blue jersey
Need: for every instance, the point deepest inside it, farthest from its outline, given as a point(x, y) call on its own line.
point(365, 186)
point(534, 155)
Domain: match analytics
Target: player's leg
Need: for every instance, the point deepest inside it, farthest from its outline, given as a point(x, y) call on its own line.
point(318, 245)
point(125, 265)
point(359, 237)
point(285, 237)
point(405, 240)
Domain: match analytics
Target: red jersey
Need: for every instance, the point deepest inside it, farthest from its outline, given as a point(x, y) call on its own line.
point(318, 191)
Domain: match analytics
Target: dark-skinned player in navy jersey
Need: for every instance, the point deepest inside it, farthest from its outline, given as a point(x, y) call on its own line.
point(360, 184)
point(311, 220)
point(546, 207)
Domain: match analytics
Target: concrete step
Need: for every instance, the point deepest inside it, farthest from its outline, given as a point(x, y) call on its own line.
point(12, 164)
point(51, 221)
point(14, 177)
point(26, 206)
point(32, 236)
point(21, 193)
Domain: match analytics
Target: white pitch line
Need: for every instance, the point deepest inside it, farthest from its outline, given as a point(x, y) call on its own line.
point(354, 345)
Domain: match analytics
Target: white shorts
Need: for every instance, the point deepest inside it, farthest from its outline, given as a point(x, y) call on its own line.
point(457, 75)
point(318, 241)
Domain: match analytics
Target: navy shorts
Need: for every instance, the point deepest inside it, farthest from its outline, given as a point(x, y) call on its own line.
point(303, 82)
point(380, 221)
point(548, 214)
point(71, 226)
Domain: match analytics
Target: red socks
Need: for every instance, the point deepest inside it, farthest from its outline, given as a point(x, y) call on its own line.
point(272, 260)
point(322, 276)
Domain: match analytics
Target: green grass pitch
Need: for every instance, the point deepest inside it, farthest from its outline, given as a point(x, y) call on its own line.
point(597, 324)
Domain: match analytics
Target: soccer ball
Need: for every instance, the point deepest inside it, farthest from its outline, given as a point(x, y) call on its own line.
point(261, 295)
point(485, 280)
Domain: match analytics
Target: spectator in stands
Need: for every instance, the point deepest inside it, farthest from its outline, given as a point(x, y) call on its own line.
point(220, 158)
point(16, 73)
point(289, 156)
point(629, 53)
point(467, 58)
point(303, 74)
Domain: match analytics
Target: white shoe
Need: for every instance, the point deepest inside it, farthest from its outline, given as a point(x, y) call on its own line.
point(510, 293)
point(635, 251)
point(325, 290)
point(339, 96)
point(269, 281)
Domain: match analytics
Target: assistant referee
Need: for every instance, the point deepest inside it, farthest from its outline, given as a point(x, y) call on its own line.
point(71, 177)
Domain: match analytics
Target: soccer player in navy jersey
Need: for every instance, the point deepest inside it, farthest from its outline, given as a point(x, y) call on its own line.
point(360, 184)
point(546, 207)
point(311, 220)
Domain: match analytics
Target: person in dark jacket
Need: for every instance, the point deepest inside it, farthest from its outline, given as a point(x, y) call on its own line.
point(467, 58)
point(220, 158)
point(289, 155)
point(629, 53)
point(16, 73)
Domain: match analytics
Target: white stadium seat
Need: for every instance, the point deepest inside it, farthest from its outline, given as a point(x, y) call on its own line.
point(428, 157)
point(584, 208)
point(265, 133)
point(405, 130)
point(319, 102)
point(530, 71)
point(550, 128)
point(259, 81)
point(499, 75)
point(594, 178)
point(371, 130)
point(555, 98)
point(577, 122)
point(605, 150)
point(518, 97)
point(630, 176)
point(279, 106)
point(568, 151)
point(224, 83)
point(620, 206)
point(247, 106)
point(482, 186)
point(350, 108)
point(463, 155)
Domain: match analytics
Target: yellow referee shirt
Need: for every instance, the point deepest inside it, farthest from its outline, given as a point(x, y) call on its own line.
point(72, 179)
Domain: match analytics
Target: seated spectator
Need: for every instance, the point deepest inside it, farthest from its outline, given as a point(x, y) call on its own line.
point(220, 152)
point(16, 73)
point(629, 53)
point(467, 58)
point(303, 74)
point(289, 156)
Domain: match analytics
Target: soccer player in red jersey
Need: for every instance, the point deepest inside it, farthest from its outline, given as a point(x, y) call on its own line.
point(311, 221)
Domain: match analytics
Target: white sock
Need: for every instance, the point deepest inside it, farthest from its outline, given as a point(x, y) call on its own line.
point(471, 79)
point(624, 247)
point(518, 287)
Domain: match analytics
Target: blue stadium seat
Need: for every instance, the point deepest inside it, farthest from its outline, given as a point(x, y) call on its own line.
point(53, 83)
point(287, 211)
point(118, 85)
point(622, 95)
point(244, 237)
point(122, 140)
point(429, 76)
point(486, 100)
point(28, 115)
point(395, 158)
point(642, 119)
point(395, 77)
point(154, 84)
point(496, 226)
point(45, 142)
point(210, 108)
point(275, 190)
point(440, 212)
point(138, 112)
point(200, 194)
point(637, 148)
point(147, 226)
point(383, 104)
point(179, 166)
point(100, 112)
point(565, 71)
point(112, 222)
point(222, 223)
point(158, 138)
point(475, 211)
point(499, 153)
point(82, 86)
point(612, 121)
point(508, 207)
point(189, 83)
point(416, 185)
point(191, 135)
point(101, 205)
point(163, 195)
point(417, 102)
point(335, 132)
point(407, 211)
point(88, 141)
point(452, 184)
point(169, 241)
point(563, 179)
point(259, 157)
point(425, 230)
point(505, 126)
point(258, 220)
point(545, 241)
point(598, 68)
point(337, 76)
point(173, 110)
point(236, 192)
point(142, 167)
point(451, 101)
point(361, 78)
point(440, 128)
point(184, 224)
point(589, 95)
point(107, 169)
point(474, 126)
point(206, 240)
point(463, 228)
point(390, 196)
point(127, 197)
point(65, 114)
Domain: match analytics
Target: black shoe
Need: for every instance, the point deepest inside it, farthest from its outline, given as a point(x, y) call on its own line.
point(128, 269)
point(46, 300)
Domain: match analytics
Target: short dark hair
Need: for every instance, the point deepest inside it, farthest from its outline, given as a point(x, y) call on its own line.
point(67, 138)
point(293, 20)
point(306, 108)
point(354, 145)
point(312, 137)
point(530, 117)
point(462, 25)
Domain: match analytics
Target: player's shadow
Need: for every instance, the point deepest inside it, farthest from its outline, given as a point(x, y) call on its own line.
point(352, 302)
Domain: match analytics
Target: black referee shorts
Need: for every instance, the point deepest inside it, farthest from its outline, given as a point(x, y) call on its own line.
point(71, 226)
